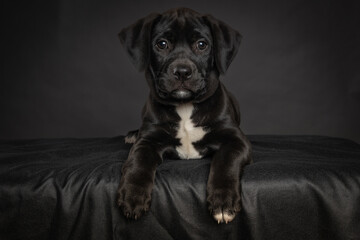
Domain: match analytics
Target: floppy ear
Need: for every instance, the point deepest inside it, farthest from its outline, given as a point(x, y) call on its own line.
point(136, 40)
point(226, 42)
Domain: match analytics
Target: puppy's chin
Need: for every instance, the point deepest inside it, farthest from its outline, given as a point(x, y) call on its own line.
point(182, 94)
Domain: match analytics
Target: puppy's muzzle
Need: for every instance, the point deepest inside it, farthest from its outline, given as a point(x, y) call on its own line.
point(182, 73)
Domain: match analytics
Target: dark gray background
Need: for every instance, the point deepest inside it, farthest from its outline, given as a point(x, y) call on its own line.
point(64, 73)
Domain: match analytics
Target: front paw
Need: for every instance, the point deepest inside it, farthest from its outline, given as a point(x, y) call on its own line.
point(224, 203)
point(134, 200)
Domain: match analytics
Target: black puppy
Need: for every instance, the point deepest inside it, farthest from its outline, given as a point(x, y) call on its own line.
point(189, 113)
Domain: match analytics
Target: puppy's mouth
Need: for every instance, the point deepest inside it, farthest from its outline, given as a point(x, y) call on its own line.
point(182, 94)
point(175, 90)
point(179, 91)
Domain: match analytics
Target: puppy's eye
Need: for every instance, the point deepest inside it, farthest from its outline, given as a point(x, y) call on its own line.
point(162, 44)
point(201, 45)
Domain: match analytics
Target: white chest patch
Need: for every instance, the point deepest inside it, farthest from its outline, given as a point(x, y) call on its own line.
point(188, 133)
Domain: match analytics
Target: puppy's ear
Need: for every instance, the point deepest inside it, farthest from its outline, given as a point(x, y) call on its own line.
point(136, 40)
point(226, 42)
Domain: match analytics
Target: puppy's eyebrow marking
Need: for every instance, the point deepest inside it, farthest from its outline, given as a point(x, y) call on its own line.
point(168, 34)
point(188, 133)
point(201, 34)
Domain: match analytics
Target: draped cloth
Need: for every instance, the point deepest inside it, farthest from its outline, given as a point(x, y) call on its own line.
point(298, 187)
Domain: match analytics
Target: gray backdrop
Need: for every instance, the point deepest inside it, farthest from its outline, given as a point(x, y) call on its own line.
point(64, 73)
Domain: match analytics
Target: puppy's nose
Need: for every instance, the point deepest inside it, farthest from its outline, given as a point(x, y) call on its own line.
point(182, 72)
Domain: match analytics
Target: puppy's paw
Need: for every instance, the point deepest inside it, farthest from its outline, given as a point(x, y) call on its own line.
point(134, 200)
point(224, 204)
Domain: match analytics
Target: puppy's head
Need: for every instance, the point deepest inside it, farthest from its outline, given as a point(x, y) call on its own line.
point(182, 52)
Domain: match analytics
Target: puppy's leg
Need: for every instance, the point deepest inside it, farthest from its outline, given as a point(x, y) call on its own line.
point(224, 187)
point(138, 174)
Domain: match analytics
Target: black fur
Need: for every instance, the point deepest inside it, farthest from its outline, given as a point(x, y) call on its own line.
point(181, 73)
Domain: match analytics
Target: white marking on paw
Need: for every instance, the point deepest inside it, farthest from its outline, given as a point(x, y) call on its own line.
point(188, 133)
point(219, 217)
point(223, 217)
point(228, 218)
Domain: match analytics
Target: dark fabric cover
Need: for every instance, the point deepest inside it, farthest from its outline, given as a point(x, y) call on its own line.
point(299, 187)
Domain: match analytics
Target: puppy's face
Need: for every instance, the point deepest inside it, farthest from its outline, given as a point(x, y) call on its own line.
point(182, 58)
point(182, 53)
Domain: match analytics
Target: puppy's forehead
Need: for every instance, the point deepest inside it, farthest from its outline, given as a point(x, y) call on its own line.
point(181, 21)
